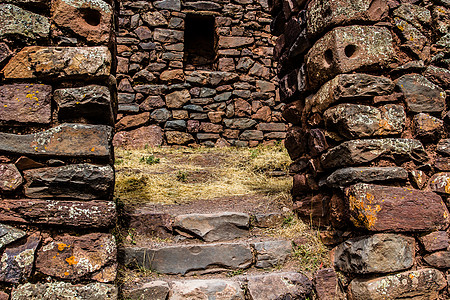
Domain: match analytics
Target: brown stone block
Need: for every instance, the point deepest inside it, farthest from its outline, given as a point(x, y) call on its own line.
point(149, 135)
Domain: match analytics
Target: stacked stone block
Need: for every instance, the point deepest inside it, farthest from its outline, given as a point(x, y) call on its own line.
point(366, 86)
point(165, 99)
point(58, 103)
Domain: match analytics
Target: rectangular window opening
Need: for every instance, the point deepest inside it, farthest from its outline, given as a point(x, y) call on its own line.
point(200, 40)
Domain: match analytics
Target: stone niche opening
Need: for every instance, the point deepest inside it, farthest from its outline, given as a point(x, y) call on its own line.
point(200, 40)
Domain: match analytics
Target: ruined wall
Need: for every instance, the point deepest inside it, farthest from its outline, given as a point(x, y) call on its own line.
point(57, 111)
point(366, 86)
point(166, 97)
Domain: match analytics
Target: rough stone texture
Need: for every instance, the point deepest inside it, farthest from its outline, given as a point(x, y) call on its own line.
point(19, 23)
point(271, 254)
point(362, 151)
point(16, 262)
point(206, 289)
point(428, 128)
point(421, 95)
point(443, 147)
point(150, 223)
point(157, 290)
point(5, 52)
point(66, 140)
point(191, 259)
point(138, 138)
point(419, 284)
point(346, 49)
point(356, 121)
point(279, 286)
point(348, 176)
point(75, 257)
point(326, 285)
point(348, 87)
point(435, 241)
point(9, 234)
point(25, 103)
point(440, 183)
point(379, 253)
point(90, 19)
point(59, 62)
point(214, 227)
point(80, 214)
point(439, 259)
point(81, 181)
point(65, 291)
point(179, 138)
point(384, 208)
point(10, 178)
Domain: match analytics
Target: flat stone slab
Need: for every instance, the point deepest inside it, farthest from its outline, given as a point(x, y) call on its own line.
point(20, 23)
point(395, 209)
point(420, 284)
point(271, 254)
point(274, 286)
point(214, 227)
point(356, 152)
point(9, 234)
point(156, 290)
point(25, 103)
point(437, 240)
point(206, 289)
point(352, 175)
point(440, 259)
point(81, 214)
point(79, 181)
point(190, 259)
point(65, 291)
point(59, 62)
point(66, 140)
point(379, 253)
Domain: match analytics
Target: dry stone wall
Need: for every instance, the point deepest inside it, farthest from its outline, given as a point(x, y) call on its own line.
point(58, 102)
point(366, 85)
point(173, 91)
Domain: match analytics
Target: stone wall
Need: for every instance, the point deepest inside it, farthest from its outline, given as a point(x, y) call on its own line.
point(366, 85)
point(166, 98)
point(57, 111)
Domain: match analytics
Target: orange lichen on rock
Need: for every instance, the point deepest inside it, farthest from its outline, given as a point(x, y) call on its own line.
point(71, 261)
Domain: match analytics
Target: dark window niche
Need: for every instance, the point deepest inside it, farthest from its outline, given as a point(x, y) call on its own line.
point(200, 40)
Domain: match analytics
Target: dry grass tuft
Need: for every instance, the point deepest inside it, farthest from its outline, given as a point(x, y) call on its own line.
point(174, 175)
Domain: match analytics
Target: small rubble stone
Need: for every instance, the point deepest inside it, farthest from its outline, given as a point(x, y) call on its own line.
point(156, 290)
point(418, 178)
point(178, 138)
point(435, 241)
point(326, 285)
point(271, 254)
point(440, 183)
point(10, 178)
point(178, 99)
point(443, 147)
point(440, 259)
point(9, 234)
point(428, 128)
point(206, 289)
point(5, 53)
point(148, 135)
point(65, 290)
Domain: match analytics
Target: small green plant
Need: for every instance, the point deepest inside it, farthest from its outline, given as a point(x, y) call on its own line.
point(182, 176)
point(235, 273)
point(254, 152)
point(149, 160)
point(288, 220)
point(118, 161)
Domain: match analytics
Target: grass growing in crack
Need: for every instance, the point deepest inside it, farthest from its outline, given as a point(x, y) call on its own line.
point(207, 173)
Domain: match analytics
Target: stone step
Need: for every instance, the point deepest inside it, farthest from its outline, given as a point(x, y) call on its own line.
point(280, 285)
point(198, 259)
point(211, 227)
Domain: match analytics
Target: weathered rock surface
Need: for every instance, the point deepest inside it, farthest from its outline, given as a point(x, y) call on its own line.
point(275, 286)
point(440, 183)
point(25, 103)
point(206, 289)
point(80, 181)
point(9, 234)
point(362, 151)
point(157, 290)
point(75, 257)
point(65, 291)
point(427, 128)
point(440, 259)
point(421, 95)
point(213, 78)
point(178, 99)
point(10, 178)
point(435, 241)
point(384, 208)
point(356, 121)
point(148, 135)
point(346, 49)
point(16, 263)
point(66, 140)
point(91, 103)
point(133, 121)
point(443, 147)
point(150, 223)
point(81, 214)
point(326, 285)
point(348, 176)
point(5, 52)
point(271, 254)
point(419, 284)
point(19, 23)
point(348, 87)
point(190, 259)
point(379, 253)
point(214, 227)
point(59, 62)
point(179, 138)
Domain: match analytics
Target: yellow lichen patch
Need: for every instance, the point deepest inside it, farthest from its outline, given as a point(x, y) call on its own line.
point(61, 246)
point(66, 273)
point(93, 149)
point(71, 261)
point(447, 186)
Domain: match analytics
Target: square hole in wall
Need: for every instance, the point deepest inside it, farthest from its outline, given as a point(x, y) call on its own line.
point(200, 40)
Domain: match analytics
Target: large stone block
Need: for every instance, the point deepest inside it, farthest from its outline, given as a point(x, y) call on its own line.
point(19, 23)
point(59, 62)
point(379, 253)
point(228, 42)
point(347, 87)
point(347, 49)
point(419, 284)
point(206, 289)
point(348, 176)
point(66, 140)
point(74, 257)
point(65, 291)
point(90, 19)
point(25, 103)
point(80, 214)
point(385, 208)
point(356, 121)
point(356, 152)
